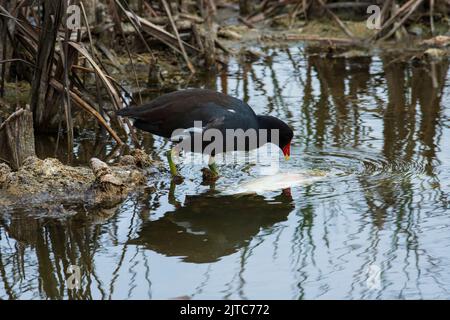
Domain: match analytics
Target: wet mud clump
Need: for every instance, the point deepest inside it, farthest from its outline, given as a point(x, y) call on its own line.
point(41, 181)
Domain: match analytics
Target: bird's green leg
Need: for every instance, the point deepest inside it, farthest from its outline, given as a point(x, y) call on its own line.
point(213, 167)
point(214, 170)
point(173, 168)
point(172, 199)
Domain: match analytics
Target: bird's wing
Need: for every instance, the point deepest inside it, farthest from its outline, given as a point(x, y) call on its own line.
point(184, 101)
point(215, 123)
point(181, 109)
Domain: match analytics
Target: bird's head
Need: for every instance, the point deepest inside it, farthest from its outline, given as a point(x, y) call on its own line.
point(284, 131)
point(287, 151)
point(285, 141)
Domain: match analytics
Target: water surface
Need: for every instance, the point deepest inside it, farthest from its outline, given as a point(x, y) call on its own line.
point(379, 125)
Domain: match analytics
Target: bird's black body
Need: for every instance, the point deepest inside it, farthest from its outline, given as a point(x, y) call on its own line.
point(180, 109)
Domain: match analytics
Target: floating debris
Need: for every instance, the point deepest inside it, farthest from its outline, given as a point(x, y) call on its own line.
point(440, 41)
point(435, 53)
point(277, 182)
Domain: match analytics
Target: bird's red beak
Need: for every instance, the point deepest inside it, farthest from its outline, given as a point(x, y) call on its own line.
point(287, 151)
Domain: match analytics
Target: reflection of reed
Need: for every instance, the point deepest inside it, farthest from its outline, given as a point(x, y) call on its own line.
point(408, 138)
point(336, 112)
point(303, 246)
point(404, 140)
point(53, 246)
point(332, 116)
point(427, 89)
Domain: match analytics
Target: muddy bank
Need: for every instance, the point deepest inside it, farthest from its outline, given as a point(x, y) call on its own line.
point(43, 182)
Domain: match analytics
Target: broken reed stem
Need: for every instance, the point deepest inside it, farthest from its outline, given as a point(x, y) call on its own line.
point(91, 43)
point(134, 23)
point(177, 35)
point(3, 31)
point(110, 88)
point(197, 37)
point(90, 70)
point(84, 105)
point(384, 10)
point(336, 18)
point(127, 47)
point(66, 96)
point(392, 19)
point(17, 60)
point(431, 17)
point(248, 24)
point(17, 138)
point(295, 12)
point(402, 21)
point(43, 113)
point(212, 6)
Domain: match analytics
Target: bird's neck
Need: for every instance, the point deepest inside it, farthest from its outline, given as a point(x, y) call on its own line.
point(266, 123)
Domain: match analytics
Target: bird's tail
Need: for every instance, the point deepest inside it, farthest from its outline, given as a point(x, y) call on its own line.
point(126, 112)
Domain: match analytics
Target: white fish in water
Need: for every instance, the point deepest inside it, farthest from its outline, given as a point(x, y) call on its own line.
point(277, 182)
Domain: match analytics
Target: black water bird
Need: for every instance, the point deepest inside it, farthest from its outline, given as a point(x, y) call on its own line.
point(184, 110)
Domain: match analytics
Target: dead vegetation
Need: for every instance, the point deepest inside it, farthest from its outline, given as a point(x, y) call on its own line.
point(39, 47)
point(77, 69)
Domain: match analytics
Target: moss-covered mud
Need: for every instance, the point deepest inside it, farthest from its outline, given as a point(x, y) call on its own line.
point(41, 183)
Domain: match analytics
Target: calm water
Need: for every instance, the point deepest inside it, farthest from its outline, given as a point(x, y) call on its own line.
point(379, 227)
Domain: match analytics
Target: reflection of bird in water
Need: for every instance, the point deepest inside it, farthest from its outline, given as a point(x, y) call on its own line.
point(207, 227)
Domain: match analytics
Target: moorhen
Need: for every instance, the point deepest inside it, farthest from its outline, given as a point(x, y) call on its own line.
point(184, 109)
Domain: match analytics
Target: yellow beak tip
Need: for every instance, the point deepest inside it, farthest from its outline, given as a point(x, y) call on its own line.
point(287, 157)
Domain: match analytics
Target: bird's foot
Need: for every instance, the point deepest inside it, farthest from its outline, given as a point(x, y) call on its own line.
point(211, 174)
point(178, 179)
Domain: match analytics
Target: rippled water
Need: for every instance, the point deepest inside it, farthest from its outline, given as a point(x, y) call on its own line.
point(377, 227)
